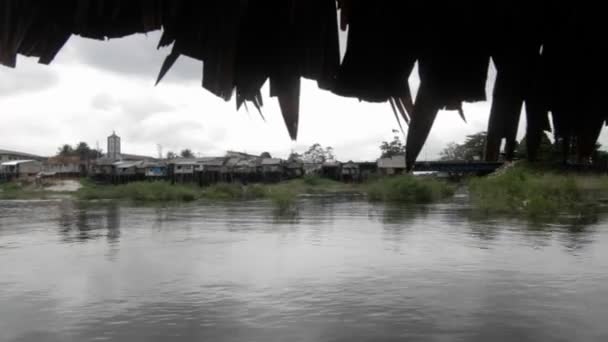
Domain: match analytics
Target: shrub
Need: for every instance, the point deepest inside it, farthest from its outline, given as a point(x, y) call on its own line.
point(408, 189)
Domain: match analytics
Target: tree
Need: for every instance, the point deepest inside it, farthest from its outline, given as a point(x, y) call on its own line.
point(452, 151)
point(472, 148)
point(82, 150)
point(265, 155)
point(65, 151)
point(186, 153)
point(393, 148)
point(171, 155)
point(317, 154)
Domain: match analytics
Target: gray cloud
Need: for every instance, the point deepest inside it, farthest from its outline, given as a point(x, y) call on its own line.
point(133, 108)
point(27, 78)
point(133, 56)
point(102, 101)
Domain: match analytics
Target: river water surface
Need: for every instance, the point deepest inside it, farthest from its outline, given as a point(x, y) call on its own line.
point(338, 269)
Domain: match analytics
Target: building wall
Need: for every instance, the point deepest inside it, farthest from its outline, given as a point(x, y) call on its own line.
point(62, 168)
point(183, 169)
point(30, 168)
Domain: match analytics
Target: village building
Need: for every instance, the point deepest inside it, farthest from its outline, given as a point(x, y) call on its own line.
point(19, 169)
point(117, 164)
point(65, 166)
point(126, 169)
point(210, 170)
point(367, 170)
point(7, 155)
point(294, 169)
point(182, 169)
point(392, 166)
point(331, 169)
point(350, 172)
point(153, 170)
point(272, 169)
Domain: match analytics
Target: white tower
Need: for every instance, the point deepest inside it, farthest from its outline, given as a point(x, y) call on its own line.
point(114, 146)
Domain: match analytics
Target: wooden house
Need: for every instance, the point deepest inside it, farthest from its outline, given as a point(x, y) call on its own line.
point(271, 169)
point(349, 172)
point(332, 170)
point(209, 170)
point(294, 169)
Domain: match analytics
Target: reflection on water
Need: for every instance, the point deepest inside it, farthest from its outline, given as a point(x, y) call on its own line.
point(334, 269)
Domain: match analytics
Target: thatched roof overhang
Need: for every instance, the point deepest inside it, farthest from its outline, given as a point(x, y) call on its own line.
point(549, 55)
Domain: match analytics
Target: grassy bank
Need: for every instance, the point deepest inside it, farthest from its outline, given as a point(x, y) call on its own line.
point(282, 193)
point(537, 192)
point(13, 191)
point(139, 191)
point(408, 189)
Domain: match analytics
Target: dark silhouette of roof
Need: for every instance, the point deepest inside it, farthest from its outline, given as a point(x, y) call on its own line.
point(549, 55)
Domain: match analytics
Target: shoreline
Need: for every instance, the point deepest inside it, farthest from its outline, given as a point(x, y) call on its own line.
point(519, 190)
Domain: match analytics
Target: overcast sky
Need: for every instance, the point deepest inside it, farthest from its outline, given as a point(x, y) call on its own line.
point(93, 88)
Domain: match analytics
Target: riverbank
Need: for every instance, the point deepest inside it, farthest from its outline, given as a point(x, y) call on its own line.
point(537, 191)
point(520, 189)
point(32, 190)
point(405, 189)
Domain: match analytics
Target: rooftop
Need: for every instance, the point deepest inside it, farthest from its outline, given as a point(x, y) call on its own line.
point(16, 162)
point(21, 154)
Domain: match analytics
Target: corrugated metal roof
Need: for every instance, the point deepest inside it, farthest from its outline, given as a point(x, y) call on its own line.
point(127, 164)
point(212, 161)
point(16, 162)
point(16, 153)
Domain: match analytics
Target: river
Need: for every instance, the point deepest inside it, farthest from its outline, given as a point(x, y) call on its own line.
point(337, 269)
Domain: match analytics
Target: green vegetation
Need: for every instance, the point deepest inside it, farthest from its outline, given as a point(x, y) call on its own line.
point(283, 193)
point(408, 189)
point(14, 190)
point(10, 190)
point(521, 189)
point(139, 191)
point(537, 192)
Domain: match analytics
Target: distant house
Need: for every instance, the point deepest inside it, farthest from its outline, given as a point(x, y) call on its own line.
point(350, 172)
point(331, 169)
point(183, 166)
point(153, 170)
point(210, 169)
point(126, 168)
point(272, 169)
point(20, 168)
point(367, 169)
point(392, 166)
point(64, 166)
point(294, 169)
point(102, 167)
